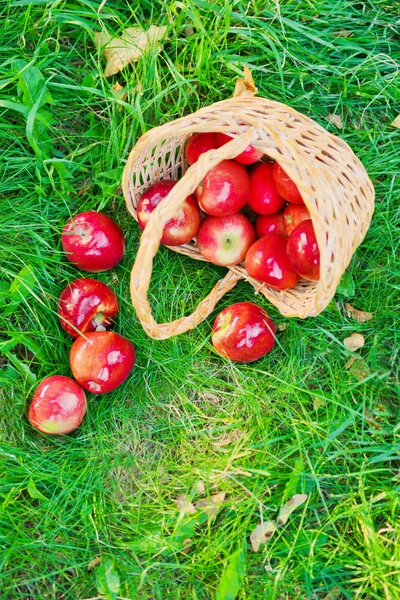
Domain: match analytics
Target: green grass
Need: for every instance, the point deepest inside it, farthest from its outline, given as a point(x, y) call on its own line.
point(186, 416)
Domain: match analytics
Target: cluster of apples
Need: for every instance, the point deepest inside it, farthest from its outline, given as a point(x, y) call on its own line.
point(245, 210)
point(100, 359)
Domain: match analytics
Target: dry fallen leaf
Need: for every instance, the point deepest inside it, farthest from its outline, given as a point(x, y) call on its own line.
point(358, 315)
point(94, 563)
point(282, 326)
point(287, 509)
point(354, 341)
point(200, 487)
point(211, 505)
point(261, 534)
point(227, 438)
point(396, 122)
point(245, 87)
point(184, 505)
point(336, 120)
point(121, 51)
point(357, 367)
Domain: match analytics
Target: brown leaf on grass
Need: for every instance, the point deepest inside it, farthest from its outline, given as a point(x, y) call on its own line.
point(211, 505)
point(94, 563)
point(287, 509)
point(227, 438)
point(357, 367)
point(336, 120)
point(354, 341)
point(343, 33)
point(200, 487)
point(281, 326)
point(130, 47)
point(396, 122)
point(184, 505)
point(358, 315)
point(245, 87)
point(261, 534)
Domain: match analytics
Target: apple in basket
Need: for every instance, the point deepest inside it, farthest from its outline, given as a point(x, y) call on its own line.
point(224, 190)
point(199, 143)
point(86, 305)
point(101, 360)
point(267, 261)
point(182, 227)
point(293, 215)
point(243, 332)
point(58, 405)
point(225, 240)
point(270, 224)
point(264, 198)
point(249, 155)
point(286, 187)
point(303, 251)
point(93, 242)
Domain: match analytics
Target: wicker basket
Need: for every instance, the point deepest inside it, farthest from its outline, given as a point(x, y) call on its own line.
point(332, 181)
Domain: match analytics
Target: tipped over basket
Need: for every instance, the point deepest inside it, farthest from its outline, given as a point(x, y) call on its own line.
point(332, 181)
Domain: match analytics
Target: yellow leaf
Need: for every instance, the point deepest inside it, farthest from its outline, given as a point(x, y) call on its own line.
point(396, 122)
point(358, 315)
point(317, 403)
point(354, 341)
point(121, 51)
point(336, 120)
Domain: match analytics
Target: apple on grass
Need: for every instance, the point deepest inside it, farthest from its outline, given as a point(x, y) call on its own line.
point(86, 305)
point(264, 198)
point(224, 190)
point(249, 155)
point(270, 224)
point(182, 227)
point(199, 143)
point(58, 405)
point(303, 251)
point(101, 361)
point(225, 240)
point(286, 187)
point(267, 261)
point(93, 242)
point(243, 332)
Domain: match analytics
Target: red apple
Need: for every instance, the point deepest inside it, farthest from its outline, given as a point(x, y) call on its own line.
point(86, 305)
point(270, 224)
point(264, 196)
point(225, 240)
point(243, 332)
point(93, 242)
point(267, 261)
point(182, 227)
point(293, 215)
point(224, 190)
point(101, 360)
point(249, 156)
point(303, 251)
point(286, 187)
point(199, 143)
point(58, 405)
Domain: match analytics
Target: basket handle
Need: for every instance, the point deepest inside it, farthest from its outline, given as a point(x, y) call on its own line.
point(150, 242)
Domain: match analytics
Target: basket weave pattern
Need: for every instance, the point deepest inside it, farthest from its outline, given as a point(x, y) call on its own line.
point(332, 181)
